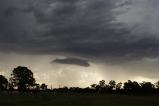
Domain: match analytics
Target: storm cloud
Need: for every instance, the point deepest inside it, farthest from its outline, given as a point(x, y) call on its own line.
point(113, 39)
point(95, 29)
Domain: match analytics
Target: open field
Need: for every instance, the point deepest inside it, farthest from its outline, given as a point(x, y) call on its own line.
point(76, 100)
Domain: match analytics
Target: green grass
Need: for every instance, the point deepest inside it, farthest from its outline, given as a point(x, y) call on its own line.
point(76, 100)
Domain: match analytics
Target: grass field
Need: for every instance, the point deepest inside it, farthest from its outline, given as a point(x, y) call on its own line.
point(76, 100)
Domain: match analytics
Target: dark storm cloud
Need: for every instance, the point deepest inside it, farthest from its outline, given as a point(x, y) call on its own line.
point(74, 27)
point(73, 61)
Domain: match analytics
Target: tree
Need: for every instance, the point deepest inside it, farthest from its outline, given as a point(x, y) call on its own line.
point(136, 86)
point(147, 87)
point(93, 86)
point(157, 84)
point(132, 87)
point(43, 86)
point(118, 86)
point(3, 82)
point(102, 83)
point(112, 84)
point(103, 87)
point(37, 87)
point(22, 78)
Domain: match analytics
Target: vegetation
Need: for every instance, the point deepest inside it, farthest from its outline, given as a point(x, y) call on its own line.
point(43, 86)
point(22, 80)
point(3, 82)
point(130, 93)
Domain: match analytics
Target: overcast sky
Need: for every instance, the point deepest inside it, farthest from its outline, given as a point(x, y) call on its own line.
point(79, 42)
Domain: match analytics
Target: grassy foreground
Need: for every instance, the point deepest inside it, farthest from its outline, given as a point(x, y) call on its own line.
point(76, 100)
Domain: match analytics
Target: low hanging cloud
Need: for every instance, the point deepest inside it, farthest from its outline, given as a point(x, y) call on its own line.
point(73, 61)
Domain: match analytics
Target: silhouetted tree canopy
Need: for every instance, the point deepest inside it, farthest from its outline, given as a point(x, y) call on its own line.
point(22, 78)
point(157, 84)
point(93, 86)
point(132, 86)
point(43, 86)
point(102, 83)
point(112, 84)
point(147, 87)
point(3, 82)
point(118, 86)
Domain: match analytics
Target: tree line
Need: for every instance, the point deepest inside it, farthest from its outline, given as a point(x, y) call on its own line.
point(22, 80)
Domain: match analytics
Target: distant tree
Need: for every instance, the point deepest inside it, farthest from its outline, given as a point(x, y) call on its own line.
point(43, 86)
point(98, 88)
point(93, 86)
point(157, 84)
point(132, 87)
point(37, 87)
point(102, 83)
point(147, 87)
point(136, 86)
point(112, 84)
point(128, 85)
point(118, 86)
point(3, 82)
point(22, 78)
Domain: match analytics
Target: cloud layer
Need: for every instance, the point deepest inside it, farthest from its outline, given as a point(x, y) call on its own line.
point(118, 39)
point(107, 30)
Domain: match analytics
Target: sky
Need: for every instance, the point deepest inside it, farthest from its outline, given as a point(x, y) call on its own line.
point(79, 42)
